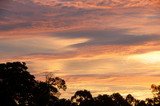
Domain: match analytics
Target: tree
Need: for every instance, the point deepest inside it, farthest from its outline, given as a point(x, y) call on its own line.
point(19, 87)
point(103, 100)
point(16, 84)
point(130, 99)
point(56, 84)
point(63, 102)
point(81, 95)
point(149, 102)
point(140, 103)
point(119, 100)
point(156, 94)
point(48, 91)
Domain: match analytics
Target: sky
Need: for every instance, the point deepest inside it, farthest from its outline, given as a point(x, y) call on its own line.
point(104, 46)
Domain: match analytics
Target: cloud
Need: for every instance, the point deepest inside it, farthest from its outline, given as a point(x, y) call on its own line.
point(33, 46)
point(112, 83)
point(43, 16)
point(61, 17)
point(102, 4)
point(15, 26)
point(108, 37)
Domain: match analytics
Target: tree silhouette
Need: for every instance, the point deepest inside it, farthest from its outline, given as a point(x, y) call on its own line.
point(130, 99)
point(19, 87)
point(119, 100)
point(81, 95)
point(56, 84)
point(63, 102)
point(156, 95)
point(140, 103)
point(16, 84)
point(48, 92)
point(103, 100)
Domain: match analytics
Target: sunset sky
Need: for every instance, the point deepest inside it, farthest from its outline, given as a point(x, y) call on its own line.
point(104, 46)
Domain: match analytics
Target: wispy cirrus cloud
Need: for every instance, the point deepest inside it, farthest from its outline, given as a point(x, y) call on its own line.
point(102, 4)
point(112, 83)
point(61, 17)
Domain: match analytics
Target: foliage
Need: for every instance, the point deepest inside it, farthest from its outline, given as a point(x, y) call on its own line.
point(19, 88)
point(81, 95)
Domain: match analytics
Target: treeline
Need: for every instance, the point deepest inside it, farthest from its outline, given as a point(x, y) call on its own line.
point(19, 88)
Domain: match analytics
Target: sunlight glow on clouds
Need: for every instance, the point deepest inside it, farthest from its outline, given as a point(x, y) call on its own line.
point(151, 57)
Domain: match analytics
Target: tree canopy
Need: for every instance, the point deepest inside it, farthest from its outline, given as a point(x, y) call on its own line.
point(19, 88)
